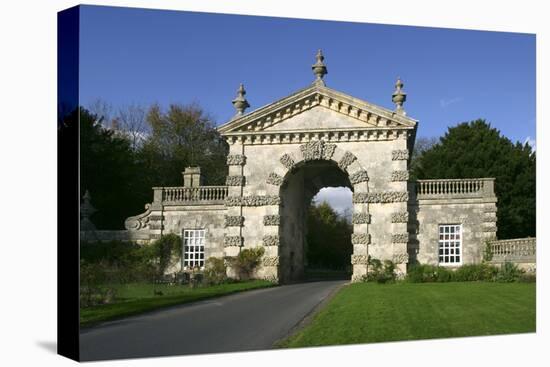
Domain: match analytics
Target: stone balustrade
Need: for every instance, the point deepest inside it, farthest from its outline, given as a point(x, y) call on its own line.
point(455, 188)
point(190, 195)
point(514, 250)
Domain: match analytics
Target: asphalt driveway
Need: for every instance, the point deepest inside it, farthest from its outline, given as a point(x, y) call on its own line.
point(246, 321)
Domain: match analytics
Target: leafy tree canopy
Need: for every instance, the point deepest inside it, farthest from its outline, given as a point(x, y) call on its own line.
point(182, 136)
point(109, 171)
point(328, 238)
point(475, 149)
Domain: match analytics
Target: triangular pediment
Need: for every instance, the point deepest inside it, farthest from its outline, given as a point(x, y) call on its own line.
point(317, 108)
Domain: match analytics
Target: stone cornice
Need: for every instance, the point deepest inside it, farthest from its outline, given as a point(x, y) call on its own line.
point(336, 135)
point(316, 95)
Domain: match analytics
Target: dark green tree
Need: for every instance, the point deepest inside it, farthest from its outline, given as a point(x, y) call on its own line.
point(328, 239)
point(475, 149)
point(108, 170)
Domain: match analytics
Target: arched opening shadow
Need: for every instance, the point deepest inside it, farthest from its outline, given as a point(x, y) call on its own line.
point(300, 185)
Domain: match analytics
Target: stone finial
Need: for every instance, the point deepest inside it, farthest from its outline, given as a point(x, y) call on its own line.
point(86, 210)
point(240, 103)
point(319, 68)
point(399, 97)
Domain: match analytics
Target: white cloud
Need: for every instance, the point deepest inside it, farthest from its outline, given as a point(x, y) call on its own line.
point(444, 103)
point(339, 198)
point(532, 142)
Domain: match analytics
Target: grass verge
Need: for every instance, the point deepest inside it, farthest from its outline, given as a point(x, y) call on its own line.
point(133, 299)
point(369, 312)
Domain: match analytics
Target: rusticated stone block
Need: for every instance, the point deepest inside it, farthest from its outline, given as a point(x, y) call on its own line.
point(400, 217)
point(235, 181)
point(271, 240)
point(230, 241)
point(381, 197)
point(492, 228)
point(255, 200)
point(359, 259)
point(360, 218)
point(400, 238)
point(399, 176)
point(400, 155)
point(360, 238)
point(236, 160)
point(346, 160)
point(287, 161)
point(358, 177)
point(270, 260)
point(234, 221)
point(274, 179)
point(272, 220)
point(315, 150)
point(400, 258)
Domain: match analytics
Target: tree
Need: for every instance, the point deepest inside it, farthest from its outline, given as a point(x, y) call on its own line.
point(128, 120)
point(421, 145)
point(328, 238)
point(131, 120)
point(475, 149)
point(109, 171)
point(182, 136)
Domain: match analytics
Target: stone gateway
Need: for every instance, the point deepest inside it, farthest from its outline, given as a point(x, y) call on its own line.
point(282, 154)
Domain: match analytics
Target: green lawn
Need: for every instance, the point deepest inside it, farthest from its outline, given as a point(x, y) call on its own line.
point(369, 312)
point(137, 298)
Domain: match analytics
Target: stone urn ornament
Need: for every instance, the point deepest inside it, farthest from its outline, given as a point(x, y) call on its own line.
point(240, 103)
point(319, 68)
point(399, 97)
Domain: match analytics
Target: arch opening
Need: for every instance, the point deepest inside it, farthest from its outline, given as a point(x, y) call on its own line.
point(299, 226)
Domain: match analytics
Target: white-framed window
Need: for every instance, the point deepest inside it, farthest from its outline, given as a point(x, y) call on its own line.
point(450, 244)
point(193, 248)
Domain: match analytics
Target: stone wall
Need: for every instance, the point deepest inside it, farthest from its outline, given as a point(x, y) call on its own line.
point(475, 210)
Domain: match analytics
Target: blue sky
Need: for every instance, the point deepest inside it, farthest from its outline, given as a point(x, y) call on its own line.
point(146, 56)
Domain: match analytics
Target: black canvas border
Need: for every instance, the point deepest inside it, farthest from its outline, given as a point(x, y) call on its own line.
point(68, 196)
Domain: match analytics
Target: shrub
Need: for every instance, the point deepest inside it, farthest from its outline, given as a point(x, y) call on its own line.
point(160, 255)
point(215, 270)
point(380, 272)
point(125, 262)
point(509, 272)
point(246, 261)
point(475, 272)
point(94, 280)
point(528, 278)
point(487, 253)
point(422, 273)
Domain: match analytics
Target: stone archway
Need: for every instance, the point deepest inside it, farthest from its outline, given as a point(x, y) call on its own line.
point(298, 189)
point(297, 179)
